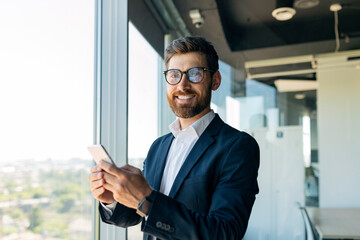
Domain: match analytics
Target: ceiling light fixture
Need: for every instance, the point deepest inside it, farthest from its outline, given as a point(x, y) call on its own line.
point(291, 85)
point(196, 18)
point(305, 4)
point(336, 7)
point(284, 10)
point(299, 96)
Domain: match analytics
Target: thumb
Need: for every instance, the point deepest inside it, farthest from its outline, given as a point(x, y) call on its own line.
point(109, 168)
point(130, 168)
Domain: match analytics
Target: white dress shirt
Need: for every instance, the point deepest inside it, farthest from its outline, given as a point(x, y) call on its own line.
point(180, 148)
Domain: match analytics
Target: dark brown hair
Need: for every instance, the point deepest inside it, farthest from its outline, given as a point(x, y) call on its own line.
point(193, 44)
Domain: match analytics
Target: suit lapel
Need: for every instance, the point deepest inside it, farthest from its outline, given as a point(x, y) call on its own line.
point(160, 162)
point(204, 142)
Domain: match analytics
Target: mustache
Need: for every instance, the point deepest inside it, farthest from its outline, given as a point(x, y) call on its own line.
point(188, 92)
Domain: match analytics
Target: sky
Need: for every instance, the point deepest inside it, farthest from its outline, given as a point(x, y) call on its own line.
point(46, 81)
point(143, 77)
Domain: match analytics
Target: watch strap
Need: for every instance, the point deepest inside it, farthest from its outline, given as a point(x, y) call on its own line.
point(145, 205)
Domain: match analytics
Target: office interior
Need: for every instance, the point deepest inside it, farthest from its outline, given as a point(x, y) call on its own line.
point(290, 78)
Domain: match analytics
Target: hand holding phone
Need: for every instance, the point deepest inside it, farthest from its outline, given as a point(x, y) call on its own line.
point(98, 152)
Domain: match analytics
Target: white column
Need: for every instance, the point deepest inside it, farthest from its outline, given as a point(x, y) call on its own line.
point(339, 131)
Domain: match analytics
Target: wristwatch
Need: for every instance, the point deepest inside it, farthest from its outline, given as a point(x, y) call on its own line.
point(145, 205)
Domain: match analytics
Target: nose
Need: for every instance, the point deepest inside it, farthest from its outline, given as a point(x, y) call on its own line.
point(184, 83)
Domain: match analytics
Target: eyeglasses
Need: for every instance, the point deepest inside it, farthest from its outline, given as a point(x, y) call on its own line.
point(195, 75)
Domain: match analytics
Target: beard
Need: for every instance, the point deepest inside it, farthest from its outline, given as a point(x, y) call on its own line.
point(189, 110)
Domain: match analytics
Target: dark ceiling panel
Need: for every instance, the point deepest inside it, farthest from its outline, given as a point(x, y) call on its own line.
point(248, 26)
point(250, 33)
point(147, 23)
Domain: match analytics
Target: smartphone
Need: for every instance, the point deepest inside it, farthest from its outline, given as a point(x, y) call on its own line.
point(98, 152)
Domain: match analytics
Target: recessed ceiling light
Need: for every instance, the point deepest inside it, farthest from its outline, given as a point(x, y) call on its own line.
point(300, 96)
point(283, 14)
point(284, 10)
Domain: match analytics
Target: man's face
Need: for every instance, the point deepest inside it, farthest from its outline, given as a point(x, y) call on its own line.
point(188, 99)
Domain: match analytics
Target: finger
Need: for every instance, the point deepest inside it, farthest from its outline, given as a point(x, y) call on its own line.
point(122, 196)
point(110, 187)
point(95, 169)
point(110, 168)
point(96, 184)
point(111, 179)
point(97, 193)
point(95, 176)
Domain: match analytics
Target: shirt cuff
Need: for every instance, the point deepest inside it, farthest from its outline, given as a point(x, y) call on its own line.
point(109, 208)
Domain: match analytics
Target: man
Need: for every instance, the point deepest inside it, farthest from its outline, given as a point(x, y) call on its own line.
point(199, 180)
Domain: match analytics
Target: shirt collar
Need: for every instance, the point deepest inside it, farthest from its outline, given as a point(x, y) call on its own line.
point(198, 127)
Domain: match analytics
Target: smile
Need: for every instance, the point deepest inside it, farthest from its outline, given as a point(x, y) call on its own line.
point(185, 97)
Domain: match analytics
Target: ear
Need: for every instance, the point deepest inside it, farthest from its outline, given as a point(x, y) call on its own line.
point(216, 81)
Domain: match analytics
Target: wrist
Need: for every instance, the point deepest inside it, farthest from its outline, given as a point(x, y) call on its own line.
point(145, 204)
point(147, 193)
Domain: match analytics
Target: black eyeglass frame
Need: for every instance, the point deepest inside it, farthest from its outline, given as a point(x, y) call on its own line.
point(186, 73)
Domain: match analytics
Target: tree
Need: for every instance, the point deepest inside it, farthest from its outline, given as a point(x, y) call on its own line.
point(36, 218)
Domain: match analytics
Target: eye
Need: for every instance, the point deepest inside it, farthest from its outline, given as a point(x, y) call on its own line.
point(174, 74)
point(195, 74)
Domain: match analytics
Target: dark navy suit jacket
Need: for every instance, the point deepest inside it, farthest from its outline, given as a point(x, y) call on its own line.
point(212, 195)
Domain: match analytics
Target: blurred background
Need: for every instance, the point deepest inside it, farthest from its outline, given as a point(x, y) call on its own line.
point(74, 73)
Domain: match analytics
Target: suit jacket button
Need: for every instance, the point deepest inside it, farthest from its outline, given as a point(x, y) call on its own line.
point(167, 227)
point(159, 224)
point(163, 227)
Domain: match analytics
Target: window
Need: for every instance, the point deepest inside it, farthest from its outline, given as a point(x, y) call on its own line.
point(142, 127)
point(46, 100)
point(281, 125)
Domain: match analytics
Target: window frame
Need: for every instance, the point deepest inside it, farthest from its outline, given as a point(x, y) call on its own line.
point(111, 92)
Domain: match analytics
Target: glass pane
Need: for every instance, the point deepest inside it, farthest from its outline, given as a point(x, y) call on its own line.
point(46, 98)
point(143, 78)
point(282, 123)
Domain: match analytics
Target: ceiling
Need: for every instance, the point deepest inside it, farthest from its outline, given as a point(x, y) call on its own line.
point(244, 30)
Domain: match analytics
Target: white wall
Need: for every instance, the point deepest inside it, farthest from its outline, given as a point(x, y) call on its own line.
point(339, 133)
point(275, 215)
